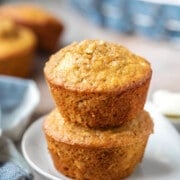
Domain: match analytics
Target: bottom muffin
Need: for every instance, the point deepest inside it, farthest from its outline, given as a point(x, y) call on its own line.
point(88, 154)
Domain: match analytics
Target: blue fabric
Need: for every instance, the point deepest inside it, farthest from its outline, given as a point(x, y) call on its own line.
point(12, 165)
point(11, 171)
point(11, 92)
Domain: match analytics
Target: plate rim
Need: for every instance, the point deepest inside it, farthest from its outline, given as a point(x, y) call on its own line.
point(33, 165)
point(148, 107)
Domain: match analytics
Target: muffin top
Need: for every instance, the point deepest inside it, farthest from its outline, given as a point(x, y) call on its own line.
point(28, 14)
point(132, 132)
point(96, 65)
point(14, 39)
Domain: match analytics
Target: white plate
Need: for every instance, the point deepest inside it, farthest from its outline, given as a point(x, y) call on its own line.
point(35, 151)
point(161, 160)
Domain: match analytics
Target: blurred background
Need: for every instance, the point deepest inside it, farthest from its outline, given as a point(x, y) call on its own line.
point(147, 27)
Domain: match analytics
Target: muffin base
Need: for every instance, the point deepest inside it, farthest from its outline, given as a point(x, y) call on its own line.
point(84, 163)
point(100, 109)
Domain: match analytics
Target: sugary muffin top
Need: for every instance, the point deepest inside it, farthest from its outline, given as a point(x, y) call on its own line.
point(133, 132)
point(14, 39)
point(27, 13)
point(96, 65)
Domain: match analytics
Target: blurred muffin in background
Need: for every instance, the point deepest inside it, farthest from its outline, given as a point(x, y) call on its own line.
point(47, 27)
point(17, 46)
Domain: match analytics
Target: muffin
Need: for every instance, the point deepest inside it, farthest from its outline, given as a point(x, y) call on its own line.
point(84, 153)
point(47, 28)
point(98, 84)
point(17, 46)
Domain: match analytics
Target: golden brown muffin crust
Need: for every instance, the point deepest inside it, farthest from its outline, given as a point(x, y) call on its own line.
point(86, 154)
point(85, 163)
point(98, 84)
point(94, 65)
point(70, 133)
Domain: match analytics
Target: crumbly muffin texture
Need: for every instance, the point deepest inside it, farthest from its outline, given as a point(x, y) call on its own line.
point(97, 110)
point(99, 129)
point(96, 163)
point(97, 83)
point(94, 65)
point(83, 153)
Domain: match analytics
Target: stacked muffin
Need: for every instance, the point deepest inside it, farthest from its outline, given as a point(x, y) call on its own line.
point(99, 129)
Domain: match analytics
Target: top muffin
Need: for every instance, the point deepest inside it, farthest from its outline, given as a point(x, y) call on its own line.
point(98, 84)
point(94, 65)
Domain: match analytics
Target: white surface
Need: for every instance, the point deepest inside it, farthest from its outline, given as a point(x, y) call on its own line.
point(35, 151)
point(167, 102)
point(161, 160)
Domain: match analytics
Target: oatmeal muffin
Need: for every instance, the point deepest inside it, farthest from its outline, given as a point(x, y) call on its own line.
point(98, 84)
point(17, 46)
point(84, 153)
point(46, 27)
